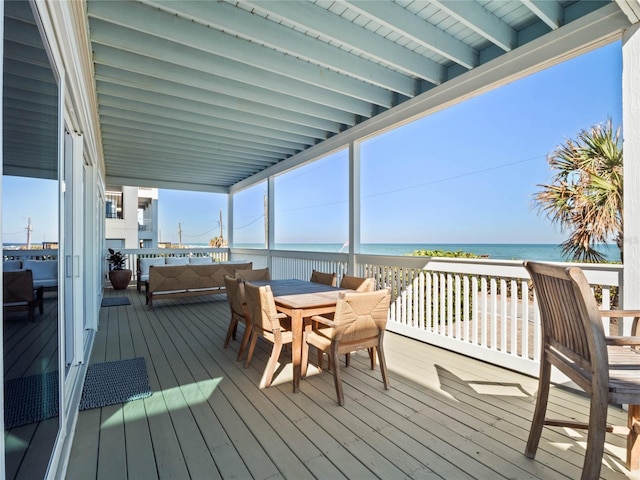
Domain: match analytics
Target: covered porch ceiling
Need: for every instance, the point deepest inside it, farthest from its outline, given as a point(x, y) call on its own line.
point(211, 96)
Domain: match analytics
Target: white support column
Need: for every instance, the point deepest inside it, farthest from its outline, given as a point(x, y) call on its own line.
point(230, 219)
point(631, 148)
point(354, 204)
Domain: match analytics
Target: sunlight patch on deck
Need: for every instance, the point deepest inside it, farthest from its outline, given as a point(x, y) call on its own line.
point(175, 398)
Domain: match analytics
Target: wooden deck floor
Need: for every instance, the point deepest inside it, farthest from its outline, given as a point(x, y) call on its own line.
point(446, 416)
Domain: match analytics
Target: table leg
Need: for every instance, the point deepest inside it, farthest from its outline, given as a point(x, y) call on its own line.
point(296, 347)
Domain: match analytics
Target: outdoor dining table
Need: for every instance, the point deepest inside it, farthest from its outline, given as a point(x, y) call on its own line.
point(301, 299)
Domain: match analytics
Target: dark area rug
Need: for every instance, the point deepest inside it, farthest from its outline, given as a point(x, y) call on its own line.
point(115, 301)
point(35, 398)
point(115, 382)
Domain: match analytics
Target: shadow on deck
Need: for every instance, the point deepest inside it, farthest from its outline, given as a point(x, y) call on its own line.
point(446, 416)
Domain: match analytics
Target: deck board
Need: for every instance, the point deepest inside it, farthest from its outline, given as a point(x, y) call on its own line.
point(445, 416)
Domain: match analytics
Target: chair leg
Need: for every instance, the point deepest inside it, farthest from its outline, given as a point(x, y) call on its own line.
point(267, 376)
point(541, 409)
point(233, 324)
point(383, 365)
point(372, 357)
point(337, 379)
point(245, 340)
point(252, 346)
point(595, 435)
point(304, 361)
point(633, 442)
point(347, 360)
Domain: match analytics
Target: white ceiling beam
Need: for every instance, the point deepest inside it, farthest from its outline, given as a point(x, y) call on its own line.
point(151, 81)
point(398, 19)
point(220, 74)
point(143, 101)
point(218, 160)
point(239, 157)
point(145, 181)
point(207, 141)
point(550, 12)
point(160, 24)
point(166, 116)
point(322, 22)
point(214, 118)
point(631, 9)
point(236, 21)
point(481, 21)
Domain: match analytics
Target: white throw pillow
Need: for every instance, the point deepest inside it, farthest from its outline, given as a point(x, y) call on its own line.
point(145, 263)
point(200, 260)
point(177, 260)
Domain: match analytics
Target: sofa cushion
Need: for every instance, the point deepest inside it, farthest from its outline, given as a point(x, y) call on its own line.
point(45, 272)
point(145, 263)
point(200, 260)
point(177, 261)
point(11, 265)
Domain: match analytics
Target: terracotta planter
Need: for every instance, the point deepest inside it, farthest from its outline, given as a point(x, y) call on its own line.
point(120, 279)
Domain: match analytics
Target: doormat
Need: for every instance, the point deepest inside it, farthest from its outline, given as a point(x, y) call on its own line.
point(35, 398)
point(115, 301)
point(30, 399)
point(109, 383)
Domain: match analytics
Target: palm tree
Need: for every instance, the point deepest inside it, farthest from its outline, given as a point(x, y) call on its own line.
point(585, 196)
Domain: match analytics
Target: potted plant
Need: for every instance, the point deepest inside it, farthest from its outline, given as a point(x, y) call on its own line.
point(119, 276)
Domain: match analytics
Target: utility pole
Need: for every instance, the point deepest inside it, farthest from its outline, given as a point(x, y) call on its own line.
point(266, 221)
point(29, 229)
point(180, 234)
point(221, 236)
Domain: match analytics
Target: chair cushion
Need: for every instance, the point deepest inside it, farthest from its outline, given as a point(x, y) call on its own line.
point(145, 263)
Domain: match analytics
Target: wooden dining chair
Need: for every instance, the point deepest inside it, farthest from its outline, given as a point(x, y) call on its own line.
point(19, 293)
point(606, 368)
point(359, 284)
point(359, 323)
point(254, 275)
point(238, 308)
point(324, 278)
point(268, 324)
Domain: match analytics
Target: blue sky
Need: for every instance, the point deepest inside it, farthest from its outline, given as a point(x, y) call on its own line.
point(463, 175)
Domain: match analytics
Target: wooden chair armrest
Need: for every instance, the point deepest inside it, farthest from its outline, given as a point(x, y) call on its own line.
point(622, 314)
point(622, 341)
point(323, 320)
point(275, 320)
point(619, 313)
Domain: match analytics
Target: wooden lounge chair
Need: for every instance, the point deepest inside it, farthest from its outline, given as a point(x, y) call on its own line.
point(606, 368)
point(358, 324)
point(19, 293)
point(359, 284)
point(254, 275)
point(324, 278)
point(238, 308)
point(266, 322)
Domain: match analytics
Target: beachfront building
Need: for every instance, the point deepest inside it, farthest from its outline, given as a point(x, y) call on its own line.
point(131, 217)
point(222, 97)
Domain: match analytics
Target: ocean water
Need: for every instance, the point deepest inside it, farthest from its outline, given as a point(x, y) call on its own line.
point(498, 251)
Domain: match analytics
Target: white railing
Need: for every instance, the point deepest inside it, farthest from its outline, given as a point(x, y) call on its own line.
point(482, 308)
point(42, 254)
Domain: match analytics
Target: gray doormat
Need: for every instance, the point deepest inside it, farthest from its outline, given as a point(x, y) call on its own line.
point(109, 383)
point(115, 301)
point(30, 399)
point(35, 398)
